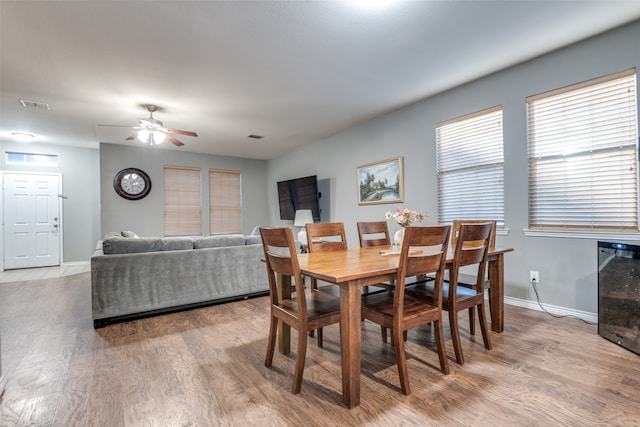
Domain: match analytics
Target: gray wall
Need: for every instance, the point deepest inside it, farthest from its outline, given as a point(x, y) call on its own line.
point(567, 266)
point(80, 184)
point(145, 216)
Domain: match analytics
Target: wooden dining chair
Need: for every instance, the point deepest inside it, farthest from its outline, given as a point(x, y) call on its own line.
point(455, 230)
point(469, 280)
point(325, 236)
point(306, 311)
point(424, 251)
point(471, 249)
point(373, 233)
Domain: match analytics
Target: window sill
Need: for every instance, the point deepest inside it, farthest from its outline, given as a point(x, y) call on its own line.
point(601, 235)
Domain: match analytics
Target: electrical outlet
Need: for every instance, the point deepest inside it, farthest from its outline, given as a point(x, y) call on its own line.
point(534, 276)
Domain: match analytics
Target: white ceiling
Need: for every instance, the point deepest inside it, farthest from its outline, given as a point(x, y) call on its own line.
point(293, 71)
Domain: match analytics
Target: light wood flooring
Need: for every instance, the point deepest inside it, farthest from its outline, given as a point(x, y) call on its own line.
point(205, 367)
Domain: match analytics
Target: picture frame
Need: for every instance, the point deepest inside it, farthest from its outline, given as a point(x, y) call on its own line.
point(381, 182)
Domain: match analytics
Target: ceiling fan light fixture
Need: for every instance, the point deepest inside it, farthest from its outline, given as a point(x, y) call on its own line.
point(158, 137)
point(151, 131)
point(143, 135)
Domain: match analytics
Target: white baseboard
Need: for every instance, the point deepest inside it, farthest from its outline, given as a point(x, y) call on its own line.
point(75, 263)
point(554, 309)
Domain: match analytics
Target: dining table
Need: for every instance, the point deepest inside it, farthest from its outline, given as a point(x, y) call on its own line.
point(353, 269)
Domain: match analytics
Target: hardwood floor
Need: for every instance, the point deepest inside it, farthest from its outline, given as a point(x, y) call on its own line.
point(205, 367)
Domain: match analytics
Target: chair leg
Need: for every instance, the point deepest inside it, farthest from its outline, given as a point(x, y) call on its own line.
point(472, 321)
point(484, 327)
point(393, 336)
point(442, 352)
point(455, 336)
point(383, 331)
point(271, 345)
point(320, 337)
point(301, 354)
point(401, 359)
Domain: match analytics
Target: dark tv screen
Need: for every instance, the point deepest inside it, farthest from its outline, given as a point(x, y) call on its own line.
point(296, 194)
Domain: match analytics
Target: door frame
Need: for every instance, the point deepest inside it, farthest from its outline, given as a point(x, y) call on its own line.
point(60, 210)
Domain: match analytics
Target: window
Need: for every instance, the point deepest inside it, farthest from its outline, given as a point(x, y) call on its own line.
point(182, 210)
point(583, 167)
point(225, 214)
point(30, 159)
point(470, 167)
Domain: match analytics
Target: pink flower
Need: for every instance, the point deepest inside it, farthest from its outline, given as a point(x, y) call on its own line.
point(406, 217)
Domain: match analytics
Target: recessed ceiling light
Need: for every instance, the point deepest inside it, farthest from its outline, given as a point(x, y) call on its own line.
point(22, 136)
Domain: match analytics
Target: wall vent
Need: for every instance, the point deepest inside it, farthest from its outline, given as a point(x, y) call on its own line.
point(34, 104)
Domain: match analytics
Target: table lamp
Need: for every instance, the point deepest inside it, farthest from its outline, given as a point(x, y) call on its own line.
point(303, 217)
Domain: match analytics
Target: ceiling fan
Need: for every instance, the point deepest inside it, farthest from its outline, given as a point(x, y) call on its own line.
point(151, 131)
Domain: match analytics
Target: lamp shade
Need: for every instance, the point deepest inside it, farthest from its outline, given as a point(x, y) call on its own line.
point(303, 217)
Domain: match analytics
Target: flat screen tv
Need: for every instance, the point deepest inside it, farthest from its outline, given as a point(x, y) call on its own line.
point(296, 194)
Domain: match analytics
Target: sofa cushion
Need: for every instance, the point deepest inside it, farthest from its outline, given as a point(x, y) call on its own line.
point(252, 240)
point(219, 241)
point(121, 245)
point(130, 234)
point(111, 234)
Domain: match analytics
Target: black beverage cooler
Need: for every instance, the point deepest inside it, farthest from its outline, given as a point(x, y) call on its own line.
point(619, 294)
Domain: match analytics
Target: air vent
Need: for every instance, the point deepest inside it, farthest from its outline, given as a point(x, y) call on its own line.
point(256, 136)
point(34, 104)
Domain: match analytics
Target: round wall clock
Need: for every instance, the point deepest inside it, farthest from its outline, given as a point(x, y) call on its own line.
point(132, 184)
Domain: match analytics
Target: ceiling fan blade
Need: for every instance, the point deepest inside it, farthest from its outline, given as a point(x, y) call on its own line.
point(174, 141)
point(182, 132)
point(131, 138)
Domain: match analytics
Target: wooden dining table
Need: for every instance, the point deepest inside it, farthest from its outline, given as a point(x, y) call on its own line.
point(351, 270)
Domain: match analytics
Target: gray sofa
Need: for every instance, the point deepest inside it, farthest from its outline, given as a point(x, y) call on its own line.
point(133, 277)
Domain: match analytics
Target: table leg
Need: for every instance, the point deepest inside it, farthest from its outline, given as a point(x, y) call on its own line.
point(350, 340)
point(496, 292)
point(284, 330)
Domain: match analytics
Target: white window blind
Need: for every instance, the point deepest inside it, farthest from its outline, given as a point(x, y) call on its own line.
point(470, 163)
point(182, 209)
point(583, 158)
point(225, 201)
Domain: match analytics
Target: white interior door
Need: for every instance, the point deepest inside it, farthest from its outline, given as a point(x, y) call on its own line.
point(31, 220)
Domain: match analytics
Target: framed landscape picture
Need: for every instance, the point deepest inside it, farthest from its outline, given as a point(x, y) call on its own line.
point(381, 182)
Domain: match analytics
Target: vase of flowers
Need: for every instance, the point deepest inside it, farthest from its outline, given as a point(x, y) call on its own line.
point(404, 218)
